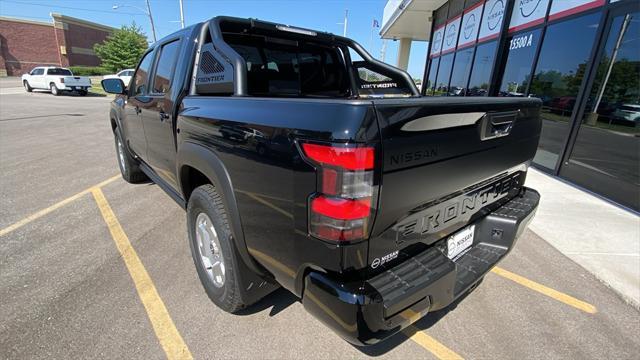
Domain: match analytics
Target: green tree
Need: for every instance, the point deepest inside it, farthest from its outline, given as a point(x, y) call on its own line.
point(123, 48)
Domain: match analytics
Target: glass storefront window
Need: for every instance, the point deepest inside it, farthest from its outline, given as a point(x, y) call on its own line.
point(481, 72)
point(606, 154)
point(460, 74)
point(431, 79)
point(442, 80)
point(522, 49)
point(557, 79)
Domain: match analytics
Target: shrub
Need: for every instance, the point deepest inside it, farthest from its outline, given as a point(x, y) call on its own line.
point(88, 70)
point(122, 49)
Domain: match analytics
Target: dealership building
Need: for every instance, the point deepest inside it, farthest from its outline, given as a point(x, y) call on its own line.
point(580, 57)
point(65, 41)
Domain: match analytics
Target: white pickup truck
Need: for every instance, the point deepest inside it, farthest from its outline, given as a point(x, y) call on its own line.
point(56, 79)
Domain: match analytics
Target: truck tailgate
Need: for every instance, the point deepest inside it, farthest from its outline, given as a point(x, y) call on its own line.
point(446, 161)
point(76, 81)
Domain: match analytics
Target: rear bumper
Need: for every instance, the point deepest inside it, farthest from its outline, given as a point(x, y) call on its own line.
point(365, 313)
point(73, 87)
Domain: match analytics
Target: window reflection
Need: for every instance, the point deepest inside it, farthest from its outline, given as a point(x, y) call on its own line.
point(431, 79)
point(164, 69)
point(139, 83)
point(460, 74)
point(558, 76)
point(442, 80)
point(606, 156)
point(481, 72)
point(517, 71)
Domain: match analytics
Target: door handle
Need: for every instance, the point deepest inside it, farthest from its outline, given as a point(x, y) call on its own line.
point(164, 116)
point(498, 124)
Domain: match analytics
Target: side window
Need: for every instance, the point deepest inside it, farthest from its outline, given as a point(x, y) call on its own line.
point(165, 68)
point(37, 71)
point(139, 81)
point(372, 83)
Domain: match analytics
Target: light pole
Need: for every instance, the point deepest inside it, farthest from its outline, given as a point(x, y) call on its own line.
point(181, 15)
point(147, 12)
point(344, 23)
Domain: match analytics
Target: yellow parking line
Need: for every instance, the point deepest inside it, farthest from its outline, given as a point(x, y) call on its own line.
point(421, 338)
point(554, 294)
point(169, 337)
point(432, 345)
point(53, 207)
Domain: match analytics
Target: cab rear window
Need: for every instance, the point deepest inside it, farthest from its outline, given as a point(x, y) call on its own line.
point(59, 71)
point(284, 67)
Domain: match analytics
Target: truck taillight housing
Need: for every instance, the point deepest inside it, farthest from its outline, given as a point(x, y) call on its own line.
point(341, 209)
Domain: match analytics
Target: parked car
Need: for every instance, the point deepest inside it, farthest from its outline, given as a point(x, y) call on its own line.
point(628, 114)
point(55, 79)
point(381, 204)
point(124, 75)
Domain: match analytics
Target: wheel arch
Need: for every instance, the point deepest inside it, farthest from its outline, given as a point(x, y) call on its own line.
point(197, 165)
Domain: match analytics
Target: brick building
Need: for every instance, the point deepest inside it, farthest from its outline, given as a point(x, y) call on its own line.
point(66, 41)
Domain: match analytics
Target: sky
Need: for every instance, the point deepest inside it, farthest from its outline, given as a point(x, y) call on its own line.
point(323, 15)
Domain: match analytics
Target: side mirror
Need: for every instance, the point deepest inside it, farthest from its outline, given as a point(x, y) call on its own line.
point(113, 86)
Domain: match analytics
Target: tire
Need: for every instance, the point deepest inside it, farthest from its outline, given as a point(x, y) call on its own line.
point(27, 87)
point(54, 89)
point(206, 214)
point(262, 150)
point(83, 92)
point(129, 167)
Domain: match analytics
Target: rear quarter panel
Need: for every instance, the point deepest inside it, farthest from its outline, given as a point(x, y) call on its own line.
point(272, 184)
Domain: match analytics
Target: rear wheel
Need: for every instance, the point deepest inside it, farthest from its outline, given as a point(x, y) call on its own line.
point(27, 87)
point(54, 89)
point(83, 92)
point(129, 167)
point(212, 248)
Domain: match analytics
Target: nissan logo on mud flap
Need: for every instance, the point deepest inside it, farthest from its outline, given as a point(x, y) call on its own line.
point(385, 259)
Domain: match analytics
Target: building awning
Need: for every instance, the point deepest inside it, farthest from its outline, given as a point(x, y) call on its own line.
point(408, 19)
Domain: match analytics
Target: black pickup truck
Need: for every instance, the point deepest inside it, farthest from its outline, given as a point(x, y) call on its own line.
point(305, 163)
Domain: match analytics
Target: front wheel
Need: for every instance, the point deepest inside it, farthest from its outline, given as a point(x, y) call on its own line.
point(129, 167)
point(54, 89)
point(212, 248)
point(27, 87)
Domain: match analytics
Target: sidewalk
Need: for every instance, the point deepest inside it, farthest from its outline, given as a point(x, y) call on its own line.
point(600, 237)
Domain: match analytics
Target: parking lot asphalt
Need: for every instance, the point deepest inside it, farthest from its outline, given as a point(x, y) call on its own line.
point(69, 289)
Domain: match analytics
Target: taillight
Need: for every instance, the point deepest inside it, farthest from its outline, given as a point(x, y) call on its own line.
point(341, 209)
point(62, 80)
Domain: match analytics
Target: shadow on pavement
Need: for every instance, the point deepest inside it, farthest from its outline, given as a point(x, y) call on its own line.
point(71, 94)
point(278, 300)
